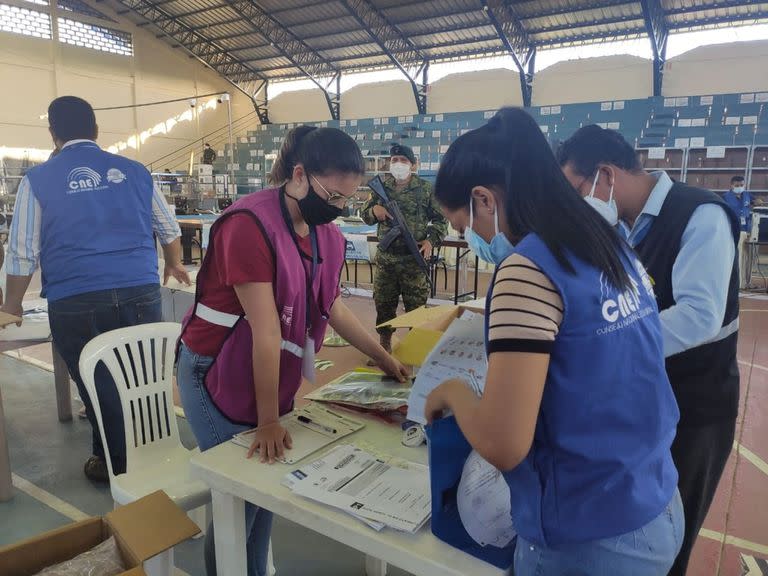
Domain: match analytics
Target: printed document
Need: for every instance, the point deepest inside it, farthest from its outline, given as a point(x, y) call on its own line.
point(356, 482)
point(460, 353)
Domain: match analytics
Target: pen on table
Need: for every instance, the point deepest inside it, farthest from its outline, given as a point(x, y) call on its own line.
point(306, 420)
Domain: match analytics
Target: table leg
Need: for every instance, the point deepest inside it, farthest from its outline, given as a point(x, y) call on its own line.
point(229, 533)
point(375, 566)
point(61, 382)
point(6, 489)
point(186, 246)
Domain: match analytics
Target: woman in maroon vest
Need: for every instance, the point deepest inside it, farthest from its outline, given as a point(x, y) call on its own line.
point(267, 288)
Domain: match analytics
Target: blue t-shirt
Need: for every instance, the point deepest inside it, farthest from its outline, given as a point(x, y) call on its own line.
point(600, 463)
point(96, 222)
point(741, 206)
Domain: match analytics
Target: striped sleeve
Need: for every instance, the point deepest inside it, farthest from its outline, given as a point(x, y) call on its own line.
point(526, 310)
point(24, 237)
point(164, 223)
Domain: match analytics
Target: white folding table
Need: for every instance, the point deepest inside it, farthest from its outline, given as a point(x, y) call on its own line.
point(234, 480)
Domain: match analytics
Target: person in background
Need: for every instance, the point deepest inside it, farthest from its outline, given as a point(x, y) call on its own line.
point(686, 238)
point(397, 272)
point(209, 154)
point(740, 201)
point(86, 218)
point(577, 411)
point(256, 324)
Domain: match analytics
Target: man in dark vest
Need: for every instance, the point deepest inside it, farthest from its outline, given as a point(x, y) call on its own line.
point(686, 237)
point(87, 219)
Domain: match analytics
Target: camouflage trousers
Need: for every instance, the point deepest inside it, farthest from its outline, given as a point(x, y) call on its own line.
point(397, 276)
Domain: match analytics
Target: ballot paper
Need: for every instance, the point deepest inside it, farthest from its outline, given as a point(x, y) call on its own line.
point(484, 503)
point(460, 353)
point(380, 494)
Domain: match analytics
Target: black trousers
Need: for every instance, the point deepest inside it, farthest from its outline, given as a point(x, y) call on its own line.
point(700, 454)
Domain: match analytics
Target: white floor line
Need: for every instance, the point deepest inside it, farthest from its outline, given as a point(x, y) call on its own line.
point(732, 540)
point(752, 458)
point(54, 502)
point(756, 366)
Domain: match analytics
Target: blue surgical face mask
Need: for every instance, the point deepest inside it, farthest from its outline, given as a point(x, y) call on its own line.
point(494, 251)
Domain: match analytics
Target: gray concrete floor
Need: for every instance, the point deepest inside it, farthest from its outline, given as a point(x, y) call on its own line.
point(50, 455)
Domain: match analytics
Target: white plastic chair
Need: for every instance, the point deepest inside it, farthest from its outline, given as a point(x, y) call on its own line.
point(140, 360)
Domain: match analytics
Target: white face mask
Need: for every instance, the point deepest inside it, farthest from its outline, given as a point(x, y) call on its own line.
point(399, 170)
point(607, 210)
point(738, 189)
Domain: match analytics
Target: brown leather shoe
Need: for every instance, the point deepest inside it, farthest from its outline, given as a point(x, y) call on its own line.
point(96, 470)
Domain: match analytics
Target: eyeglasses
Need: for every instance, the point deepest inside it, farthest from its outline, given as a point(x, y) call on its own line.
point(333, 198)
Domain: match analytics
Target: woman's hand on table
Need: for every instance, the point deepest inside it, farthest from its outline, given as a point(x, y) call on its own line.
point(271, 441)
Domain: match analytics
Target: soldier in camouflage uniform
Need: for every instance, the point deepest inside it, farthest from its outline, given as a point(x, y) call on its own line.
point(397, 270)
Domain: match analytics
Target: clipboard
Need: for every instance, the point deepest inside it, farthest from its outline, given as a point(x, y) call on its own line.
point(312, 428)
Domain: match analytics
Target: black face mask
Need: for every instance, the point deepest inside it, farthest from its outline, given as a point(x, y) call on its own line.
point(315, 210)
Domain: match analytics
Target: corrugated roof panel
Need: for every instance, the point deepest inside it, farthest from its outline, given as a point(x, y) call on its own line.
point(365, 63)
point(607, 17)
point(241, 40)
point(588, 36)
point(311, 13)
point(246, 53)
point(190, 6)
point(448, 51)
point(321, 28)
point(217, 31)
point(350, 51)
point(443, 23)
point(397, 13)
point(228, 17)
point(456, 36)
point(684, 17)
point(336, 40)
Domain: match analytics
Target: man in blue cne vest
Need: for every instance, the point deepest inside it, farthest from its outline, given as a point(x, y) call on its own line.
point(88, 219)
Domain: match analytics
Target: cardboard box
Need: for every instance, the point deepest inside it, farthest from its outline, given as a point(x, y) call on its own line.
point(142, 529)
point(426, 327)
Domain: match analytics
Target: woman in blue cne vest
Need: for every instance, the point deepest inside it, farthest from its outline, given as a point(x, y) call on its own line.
point(577, 411)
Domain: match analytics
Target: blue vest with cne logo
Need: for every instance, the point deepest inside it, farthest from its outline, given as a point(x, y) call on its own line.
point(96, 228)
point(600, 462)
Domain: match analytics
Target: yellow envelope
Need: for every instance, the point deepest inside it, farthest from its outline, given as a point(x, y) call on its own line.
point(416, 346)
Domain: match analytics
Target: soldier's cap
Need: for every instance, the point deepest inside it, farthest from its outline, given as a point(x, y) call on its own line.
point(401, 150)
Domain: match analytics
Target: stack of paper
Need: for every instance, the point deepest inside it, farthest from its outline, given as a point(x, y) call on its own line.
point(367, 488)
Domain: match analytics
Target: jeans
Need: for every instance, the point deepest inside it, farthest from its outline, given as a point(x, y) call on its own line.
point(75, 321)
point(648, 551)
point(211, 428)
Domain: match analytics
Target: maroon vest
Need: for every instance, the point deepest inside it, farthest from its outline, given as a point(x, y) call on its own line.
point(230, 378)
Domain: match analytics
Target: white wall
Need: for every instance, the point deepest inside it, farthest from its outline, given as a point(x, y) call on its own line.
point(34, 71)
point(484, 90)
point(718, 69)
point(392, 98)
point(593, 79)
point(299, 106)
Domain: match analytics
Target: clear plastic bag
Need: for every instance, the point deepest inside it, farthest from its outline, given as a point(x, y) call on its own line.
point(103, 560)
point(364, 390)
